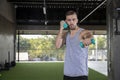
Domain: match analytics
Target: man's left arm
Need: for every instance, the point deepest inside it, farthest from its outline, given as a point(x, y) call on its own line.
point(85, 37)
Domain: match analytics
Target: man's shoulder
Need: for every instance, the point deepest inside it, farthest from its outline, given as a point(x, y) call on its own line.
point(82, 29)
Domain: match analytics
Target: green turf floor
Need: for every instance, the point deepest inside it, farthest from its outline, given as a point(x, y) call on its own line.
point(42, 71)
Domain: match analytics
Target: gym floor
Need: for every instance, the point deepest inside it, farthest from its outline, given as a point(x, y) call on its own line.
point(42, 71)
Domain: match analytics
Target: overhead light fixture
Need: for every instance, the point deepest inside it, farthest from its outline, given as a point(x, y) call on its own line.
point(46, 22)
point(44, 10)
point(16, 6)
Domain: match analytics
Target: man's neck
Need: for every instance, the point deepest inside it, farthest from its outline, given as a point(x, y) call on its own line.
point(72, 32)
point(75, 30)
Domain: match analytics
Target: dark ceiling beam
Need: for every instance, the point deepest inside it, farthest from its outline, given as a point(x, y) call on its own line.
point(56, 22)
point(57, 4)
point(76, 5)
point(83, 3)
point(55, 0)
point(56, 27)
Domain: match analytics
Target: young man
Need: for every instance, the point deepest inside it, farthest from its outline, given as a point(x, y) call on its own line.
point(75, 64)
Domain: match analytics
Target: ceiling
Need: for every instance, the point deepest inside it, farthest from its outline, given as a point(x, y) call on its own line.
point(49, 12)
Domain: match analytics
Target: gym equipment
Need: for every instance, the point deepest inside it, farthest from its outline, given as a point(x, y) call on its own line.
point(92, 42)
point(13, 63)
point(65, 25)
point(6, 65)
point(86, 34)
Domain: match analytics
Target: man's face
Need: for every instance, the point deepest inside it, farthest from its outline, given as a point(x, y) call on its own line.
point(72, 21)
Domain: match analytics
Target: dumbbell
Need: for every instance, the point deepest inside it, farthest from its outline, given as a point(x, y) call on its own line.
point(92, 42)
point(65, 25)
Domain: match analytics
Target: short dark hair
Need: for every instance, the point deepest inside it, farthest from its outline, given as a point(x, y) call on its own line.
point(71, 12)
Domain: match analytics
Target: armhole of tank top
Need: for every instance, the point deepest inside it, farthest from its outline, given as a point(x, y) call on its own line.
point(81, 29)
point(66, 35)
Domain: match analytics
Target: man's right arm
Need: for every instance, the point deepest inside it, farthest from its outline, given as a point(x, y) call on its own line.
point(60, 37)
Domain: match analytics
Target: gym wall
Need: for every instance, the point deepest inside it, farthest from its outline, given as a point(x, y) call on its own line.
point(7, 32)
